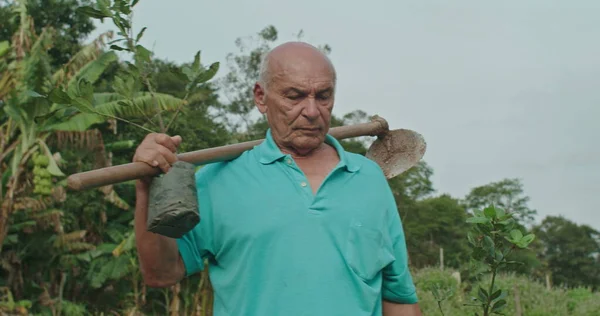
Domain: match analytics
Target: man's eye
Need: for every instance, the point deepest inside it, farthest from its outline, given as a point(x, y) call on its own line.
point(323, 96)
point(294, 96)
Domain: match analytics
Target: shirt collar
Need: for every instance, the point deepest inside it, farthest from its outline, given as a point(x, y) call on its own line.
point(269, 152)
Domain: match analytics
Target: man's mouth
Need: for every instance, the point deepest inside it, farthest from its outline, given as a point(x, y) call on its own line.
point(309, 128)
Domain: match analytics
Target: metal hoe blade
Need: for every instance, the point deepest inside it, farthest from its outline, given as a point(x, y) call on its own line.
point(397, 151)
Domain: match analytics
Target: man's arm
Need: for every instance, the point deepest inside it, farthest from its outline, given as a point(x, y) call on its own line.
point(160, 262)
point(395, 309)
point(398, 289)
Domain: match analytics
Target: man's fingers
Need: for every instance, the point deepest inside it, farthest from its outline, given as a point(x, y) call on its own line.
point(163, 164)
point(166, 141)
point(168, 155)
point(177, 140)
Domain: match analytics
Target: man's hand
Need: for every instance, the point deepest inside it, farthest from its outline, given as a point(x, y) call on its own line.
point(158, 150)
point(395, 309)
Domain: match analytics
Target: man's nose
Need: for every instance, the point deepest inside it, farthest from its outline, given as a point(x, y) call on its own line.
point(311, 109)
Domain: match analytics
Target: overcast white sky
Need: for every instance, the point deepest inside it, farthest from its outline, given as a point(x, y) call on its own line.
point(499, 89)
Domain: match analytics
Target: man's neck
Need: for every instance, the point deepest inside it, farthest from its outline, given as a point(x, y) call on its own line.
point(296, 154)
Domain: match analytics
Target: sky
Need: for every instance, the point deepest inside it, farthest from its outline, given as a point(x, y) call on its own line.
point(499, 89)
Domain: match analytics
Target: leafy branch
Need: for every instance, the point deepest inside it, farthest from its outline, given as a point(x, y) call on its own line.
point(494, 235)
point(130, 80)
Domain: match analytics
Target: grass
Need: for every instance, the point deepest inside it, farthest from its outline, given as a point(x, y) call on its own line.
point(534, 298)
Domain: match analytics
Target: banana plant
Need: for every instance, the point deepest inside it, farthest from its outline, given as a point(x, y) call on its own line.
point(37, 103)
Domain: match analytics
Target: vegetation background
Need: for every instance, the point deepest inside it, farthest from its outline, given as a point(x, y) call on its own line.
point(73, 253)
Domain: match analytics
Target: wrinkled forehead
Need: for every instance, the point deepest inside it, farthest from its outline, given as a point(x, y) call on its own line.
point(303, 73)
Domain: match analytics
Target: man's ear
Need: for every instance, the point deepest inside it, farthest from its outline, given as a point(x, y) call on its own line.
point(259, 98)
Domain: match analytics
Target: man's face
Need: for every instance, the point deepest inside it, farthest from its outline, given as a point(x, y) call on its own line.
point(298, 103)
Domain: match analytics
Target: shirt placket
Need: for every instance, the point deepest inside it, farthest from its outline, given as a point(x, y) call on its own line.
point(299, 179)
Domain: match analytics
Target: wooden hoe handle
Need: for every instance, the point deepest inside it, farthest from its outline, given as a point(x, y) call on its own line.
point(136, 170)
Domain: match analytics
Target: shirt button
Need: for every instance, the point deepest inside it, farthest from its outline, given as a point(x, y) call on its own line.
point(303, 184)
point(289, 161)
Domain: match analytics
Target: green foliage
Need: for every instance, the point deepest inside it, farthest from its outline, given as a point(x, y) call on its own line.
point(75, 253)
point(507, 194)
point(492, 227)
point(130, 79)
point(570, 251)
point(532, 296)
point(434, 223)
point(60, 15)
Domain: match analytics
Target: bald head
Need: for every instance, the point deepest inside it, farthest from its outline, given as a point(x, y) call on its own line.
point(290, 55)
point(296, 93)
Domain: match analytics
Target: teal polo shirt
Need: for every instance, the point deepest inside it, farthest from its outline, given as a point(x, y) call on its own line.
point(275, 248)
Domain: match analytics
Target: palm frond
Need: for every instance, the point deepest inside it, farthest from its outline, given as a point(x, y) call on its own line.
point(22, 39)
point(92, 70)
point(77, 123)
point(143, 105)
point(87, 54)
point(110, 105)
point(36, 65)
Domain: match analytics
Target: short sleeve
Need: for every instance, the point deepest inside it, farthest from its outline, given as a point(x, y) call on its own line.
point(197, 244)
point(397, 284)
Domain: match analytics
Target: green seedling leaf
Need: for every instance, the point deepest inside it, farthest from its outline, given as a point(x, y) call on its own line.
point(196, 63)
point(93, 13)
point(59, 97)
point(499, 256)
point(134, 2)
point(83, 105)
point(116, 41)
point(482, 294)
point(140, 34)
point(208, 74)
point(478, 220)
point(516, 235)
point(528, 238)
point(525, 241)
point(189, 72)
point(506, 222)
point(142, 53)
point(122, 6)
point(33, 94)
point(498, 306)
point(489, 212)
point(118, 23)
point(471, 239)
point(488, 242)
point(501, 296)
point(514, 262)
point(500, 213)
point(104, 7)
point(496, 294)
point(118, 48)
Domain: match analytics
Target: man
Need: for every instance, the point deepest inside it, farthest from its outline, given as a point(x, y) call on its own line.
point(295, 226)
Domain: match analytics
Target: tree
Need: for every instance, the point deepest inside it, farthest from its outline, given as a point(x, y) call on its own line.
point(571, 251)
point(434, 223)
point(507, 194)
point(60, 15)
